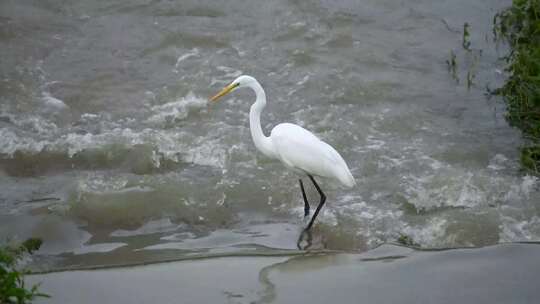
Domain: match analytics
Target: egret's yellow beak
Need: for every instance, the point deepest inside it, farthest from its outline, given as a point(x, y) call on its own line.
point(223, 92)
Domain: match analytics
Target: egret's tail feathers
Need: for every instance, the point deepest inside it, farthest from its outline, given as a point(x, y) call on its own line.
point(346, 178)
point(341, 171)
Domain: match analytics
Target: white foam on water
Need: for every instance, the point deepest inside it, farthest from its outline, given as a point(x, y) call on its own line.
point(11, 143)
point(193, 53)
point(430, 234)
point(151, 227)
point(29, 124)
point(374, 143)
point(176, 110)
point(97, 183)
point(498, 162)
point(53, 102)
point(521, 190)
point(178, 236)
point(98, 248)
point(376, 225)
point(278, 235)
point(78, 142)
point(513, 230)
point(455, 188)
point(208, 153)
point(449, 190)
point(169, 144)
point(229, 72)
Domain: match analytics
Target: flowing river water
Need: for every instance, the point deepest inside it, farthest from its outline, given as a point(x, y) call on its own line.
point(111, 153)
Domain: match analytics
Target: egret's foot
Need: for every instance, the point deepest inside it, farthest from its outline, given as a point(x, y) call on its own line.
point(306, 234)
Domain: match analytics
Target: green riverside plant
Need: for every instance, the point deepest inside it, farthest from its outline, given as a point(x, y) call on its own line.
point(12, 286)
point(519, 25)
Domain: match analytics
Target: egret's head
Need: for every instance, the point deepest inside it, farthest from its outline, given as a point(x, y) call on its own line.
point(240, 82)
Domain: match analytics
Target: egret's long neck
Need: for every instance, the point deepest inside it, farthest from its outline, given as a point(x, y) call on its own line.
point(263, 143)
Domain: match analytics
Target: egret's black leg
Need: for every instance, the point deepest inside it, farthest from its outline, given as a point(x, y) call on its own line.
point(306, 203)
point(323, 200)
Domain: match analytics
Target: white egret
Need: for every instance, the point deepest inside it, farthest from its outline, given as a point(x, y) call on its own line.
point(297, 148)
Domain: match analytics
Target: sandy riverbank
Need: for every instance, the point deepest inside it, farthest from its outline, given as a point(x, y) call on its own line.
point(507, 273)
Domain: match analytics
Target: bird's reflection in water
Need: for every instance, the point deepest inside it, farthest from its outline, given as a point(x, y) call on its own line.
point(307, 235)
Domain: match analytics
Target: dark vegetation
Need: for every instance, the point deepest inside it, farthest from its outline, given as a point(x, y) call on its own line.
point(12, 286)
point(406, 240)
point(519, 25)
